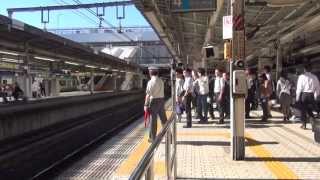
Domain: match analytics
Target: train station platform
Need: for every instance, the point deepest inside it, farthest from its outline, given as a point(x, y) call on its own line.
point(274, 150)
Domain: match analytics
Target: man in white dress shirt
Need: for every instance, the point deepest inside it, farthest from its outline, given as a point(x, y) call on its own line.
point(203, 82)
point(154, 102)
point(218, 92)
point(187, 97)
point(308, 88)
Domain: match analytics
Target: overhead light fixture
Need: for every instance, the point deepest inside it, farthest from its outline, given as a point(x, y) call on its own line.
point(90, 66)
point(11, 60)
point(105, 69)
point(71, 63)
point(115, 70)
point(44, 58)
point(9, 53)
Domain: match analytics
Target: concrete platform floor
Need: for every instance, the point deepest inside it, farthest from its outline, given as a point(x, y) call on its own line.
point(274, 150)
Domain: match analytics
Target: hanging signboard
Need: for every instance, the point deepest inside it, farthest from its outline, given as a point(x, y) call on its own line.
point(181, 6)
point(227, 27)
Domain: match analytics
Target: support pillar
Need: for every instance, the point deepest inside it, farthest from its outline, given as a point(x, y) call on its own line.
point(237, 79)
point(115, 79)
point(279, 60)
point(91, 82)
point(25, 80)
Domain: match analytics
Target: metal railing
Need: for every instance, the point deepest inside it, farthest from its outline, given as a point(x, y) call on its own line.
point(146, 164)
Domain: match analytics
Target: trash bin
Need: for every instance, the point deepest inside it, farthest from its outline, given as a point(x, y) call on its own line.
point(316, 128)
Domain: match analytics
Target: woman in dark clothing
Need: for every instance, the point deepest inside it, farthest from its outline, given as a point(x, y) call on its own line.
point(265, 93)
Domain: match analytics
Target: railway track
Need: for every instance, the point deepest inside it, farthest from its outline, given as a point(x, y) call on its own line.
point(32, 155)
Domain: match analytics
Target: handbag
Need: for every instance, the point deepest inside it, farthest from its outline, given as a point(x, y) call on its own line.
point(179, 108)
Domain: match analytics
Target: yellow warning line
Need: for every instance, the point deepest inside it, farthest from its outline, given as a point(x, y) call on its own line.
point(127, 167)
point(278, 169)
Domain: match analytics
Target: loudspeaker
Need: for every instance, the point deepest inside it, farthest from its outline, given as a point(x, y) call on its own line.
point(209, 51)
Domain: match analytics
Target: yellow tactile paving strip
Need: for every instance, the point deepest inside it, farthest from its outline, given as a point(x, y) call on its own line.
point(278, 169)
point(127, 167)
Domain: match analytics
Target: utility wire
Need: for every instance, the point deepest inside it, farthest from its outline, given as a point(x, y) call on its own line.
point(102, 19)
point(79, 13)
point(105, 21)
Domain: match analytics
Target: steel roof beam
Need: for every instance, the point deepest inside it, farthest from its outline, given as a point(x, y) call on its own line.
point(66, 7)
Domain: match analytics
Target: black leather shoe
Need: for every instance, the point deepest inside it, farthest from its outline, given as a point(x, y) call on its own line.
point(303, 126)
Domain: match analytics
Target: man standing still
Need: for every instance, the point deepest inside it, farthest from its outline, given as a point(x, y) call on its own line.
point(308, 88)
point(154, 102)
point(203, 82)
point(187, 97)
point(218, 92)
point(179, 92)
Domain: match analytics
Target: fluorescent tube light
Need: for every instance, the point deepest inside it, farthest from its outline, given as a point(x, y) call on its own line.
point(89, 66)
point(44, 58)
point(104, 68)
point(71, 63)
point(9, 53)
point(11, 60)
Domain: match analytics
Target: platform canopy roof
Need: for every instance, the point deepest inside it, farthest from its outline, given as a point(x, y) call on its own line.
point(23, 39)
point(187, 28)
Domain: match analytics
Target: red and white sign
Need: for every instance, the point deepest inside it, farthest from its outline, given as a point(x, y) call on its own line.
point(227, 27)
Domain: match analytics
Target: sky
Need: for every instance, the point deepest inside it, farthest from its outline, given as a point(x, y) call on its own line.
point(71, 18)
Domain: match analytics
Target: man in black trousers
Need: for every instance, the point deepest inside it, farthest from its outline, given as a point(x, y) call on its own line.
point(187, 97)
point(308, 88)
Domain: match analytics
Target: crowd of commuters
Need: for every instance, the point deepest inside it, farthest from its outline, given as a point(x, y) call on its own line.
point(10, 93)
point(13, 92)
point(199, 90)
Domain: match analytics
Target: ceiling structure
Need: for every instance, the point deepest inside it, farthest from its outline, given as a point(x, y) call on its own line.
point(183, 32)
point(292, 25)
point(27, 45)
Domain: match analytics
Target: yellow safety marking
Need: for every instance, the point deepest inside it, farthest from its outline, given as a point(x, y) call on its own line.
point(127, 166)
point(278, 169)
point(160, 168)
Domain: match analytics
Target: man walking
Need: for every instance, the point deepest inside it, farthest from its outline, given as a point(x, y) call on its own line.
point(154, 102)
point(308, 88)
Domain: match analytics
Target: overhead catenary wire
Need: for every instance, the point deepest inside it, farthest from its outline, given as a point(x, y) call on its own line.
point(79, 13)
point(112, 26)
point(104, 20)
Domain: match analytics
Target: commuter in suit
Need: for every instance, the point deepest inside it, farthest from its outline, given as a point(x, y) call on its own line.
point(154, 101)
point(308, 89)
point(187, 97)
point(179, 92)
point(203, 83)
point(218, 91)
